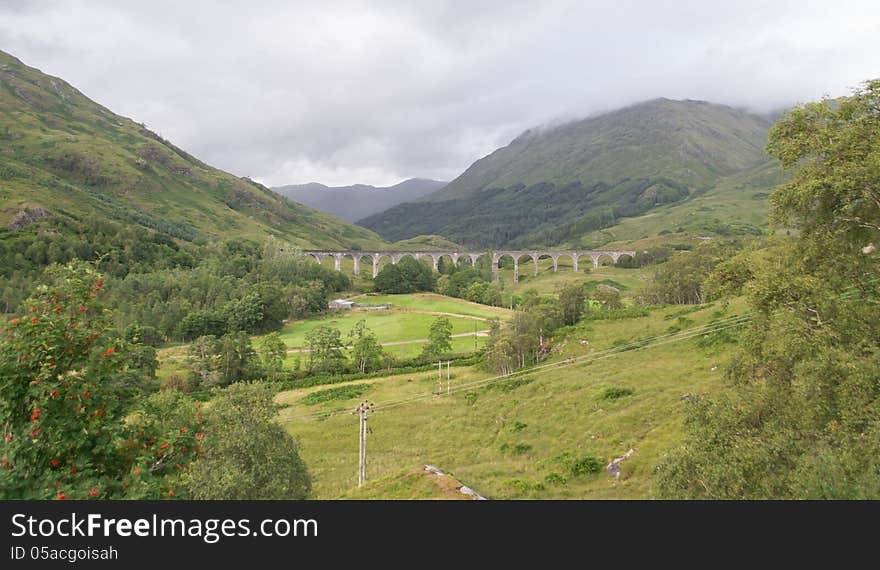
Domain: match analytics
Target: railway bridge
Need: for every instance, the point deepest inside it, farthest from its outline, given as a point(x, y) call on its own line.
point(534, 255)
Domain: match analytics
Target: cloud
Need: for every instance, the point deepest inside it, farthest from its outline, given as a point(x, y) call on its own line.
point(374, 92)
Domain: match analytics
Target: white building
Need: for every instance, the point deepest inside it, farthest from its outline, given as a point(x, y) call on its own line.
point(341, 304)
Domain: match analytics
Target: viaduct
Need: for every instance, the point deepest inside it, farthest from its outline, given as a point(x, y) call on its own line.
point(534, 255)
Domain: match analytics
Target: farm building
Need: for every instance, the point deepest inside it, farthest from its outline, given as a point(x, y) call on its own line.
point(341, 304)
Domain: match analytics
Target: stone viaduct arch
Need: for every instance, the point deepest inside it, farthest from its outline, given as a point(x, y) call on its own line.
point(517, 255)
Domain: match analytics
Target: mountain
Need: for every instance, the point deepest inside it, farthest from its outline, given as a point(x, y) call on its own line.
point(360, 200)
point(65, 157)
point(554, 185)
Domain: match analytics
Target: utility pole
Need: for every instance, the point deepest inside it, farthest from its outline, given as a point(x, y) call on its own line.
point(448, 364)
point(363, 411)
point(439, 377)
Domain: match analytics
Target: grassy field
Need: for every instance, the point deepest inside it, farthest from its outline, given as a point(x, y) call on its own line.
point(460, 345)
point(433, 302)
point(388, 326)
point(402, 329)
point(548, 282)
point(528, 437)
point(735, 204)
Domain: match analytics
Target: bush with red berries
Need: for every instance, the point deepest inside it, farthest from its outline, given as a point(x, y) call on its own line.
point(66, 403)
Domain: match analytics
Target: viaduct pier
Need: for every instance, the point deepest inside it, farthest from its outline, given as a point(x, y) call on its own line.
point(595, 256)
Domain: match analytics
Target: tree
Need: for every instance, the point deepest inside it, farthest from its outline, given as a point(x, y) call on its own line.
point(439, 339)
point(244, 314)
point(65, 396)
point(680, 280)
point(524, 340)
point(203, 355)
point(608, 297)
point(237, 358)
point(273, 352)
point(800, 419)
point(406, 276)
point(571, 302)
point(202, 323)
point(325, 350)
point(366, 352)
point(247, 455)
point(220, 362)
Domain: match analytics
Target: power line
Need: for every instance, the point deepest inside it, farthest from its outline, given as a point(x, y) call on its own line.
point(639, 344)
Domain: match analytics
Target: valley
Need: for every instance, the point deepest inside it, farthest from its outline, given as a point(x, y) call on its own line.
point(171, 330)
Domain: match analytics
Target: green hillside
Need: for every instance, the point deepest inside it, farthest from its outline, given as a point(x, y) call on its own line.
point(547, 434)
point(64, 157)
point(554, 185)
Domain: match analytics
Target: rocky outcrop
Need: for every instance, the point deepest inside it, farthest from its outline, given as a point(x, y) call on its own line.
point(27, 217)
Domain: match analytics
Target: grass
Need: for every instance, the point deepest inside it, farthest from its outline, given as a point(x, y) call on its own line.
point(548, 282)
point(460, 345)
point(409, 324)
point(388, 326)
point(561, 412)
point(735, 204)
point(437, 303)
point(67, 154)
point(413, 484)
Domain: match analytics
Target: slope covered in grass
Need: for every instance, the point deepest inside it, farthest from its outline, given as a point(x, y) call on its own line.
point(553, 185)
point(63, 156)
point(538, 435)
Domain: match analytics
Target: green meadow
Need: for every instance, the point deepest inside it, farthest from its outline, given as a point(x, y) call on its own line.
point(616, 385)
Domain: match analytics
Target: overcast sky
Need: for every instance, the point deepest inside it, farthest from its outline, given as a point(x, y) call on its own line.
point(375, 92)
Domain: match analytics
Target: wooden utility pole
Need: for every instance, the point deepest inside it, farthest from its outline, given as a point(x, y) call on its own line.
point(363, 411)
point(448, 364)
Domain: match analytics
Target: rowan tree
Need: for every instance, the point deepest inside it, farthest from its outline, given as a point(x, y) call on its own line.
point(65, 391)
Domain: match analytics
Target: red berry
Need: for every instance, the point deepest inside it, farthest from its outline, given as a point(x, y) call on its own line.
point(165, 445)
point(137, 470)
point(15, 321)
point(170, 492)
point(82, 309)
point(36, 414)
point(87, 394)
point(57, 309)
point(183, 429)
point(93, 493)
point(35, 320)
point(73, 470)
point(110, 351)
point(8, 437)
point(55, 463)
point(60, 496)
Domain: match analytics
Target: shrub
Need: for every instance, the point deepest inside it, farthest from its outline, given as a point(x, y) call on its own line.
point(524, 486)
point(555, 479)
point(616, 392)
point(334, 394)
point(586, 465)
point(510, 385)
point(247, 454)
